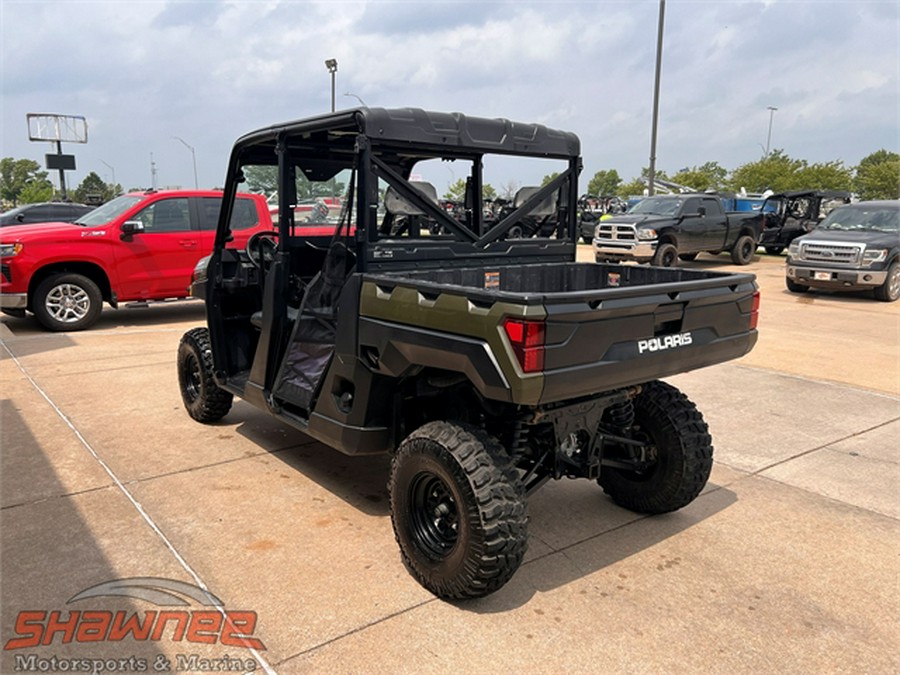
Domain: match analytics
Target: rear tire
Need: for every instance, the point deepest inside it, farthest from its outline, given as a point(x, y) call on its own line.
point(678, 437)
point(744, 248)
point(666, 256)
point(458, 510)
point(889, 291)
point(774, 250)
point(202, 397)
point(67, 302)
point(687, 257)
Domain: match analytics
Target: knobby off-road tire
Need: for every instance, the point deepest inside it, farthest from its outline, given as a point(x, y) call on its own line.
point(202, 397)
point(666, 256)
point(458, 510)
point(67, 302)
point(743, 251)
point(680, 441)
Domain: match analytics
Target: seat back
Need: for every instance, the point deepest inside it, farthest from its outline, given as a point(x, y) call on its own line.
point(398, 206)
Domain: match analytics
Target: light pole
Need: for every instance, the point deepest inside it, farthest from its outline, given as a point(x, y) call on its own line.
point(659, 41)
point(361, 102)
point(193, 158)
point(111, 168)
point(331, 64)
point(772, 110)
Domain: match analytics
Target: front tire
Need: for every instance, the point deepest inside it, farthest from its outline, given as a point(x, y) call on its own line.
point(202, 397)
point(744, 248)
point(666, 256)
point(680, 446)
point(889, 291)
point(67, 302)
point(458, 510)
point(794, 287)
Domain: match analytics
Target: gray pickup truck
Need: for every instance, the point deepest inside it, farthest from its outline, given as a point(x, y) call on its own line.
point(478, 353)
point(665, 228)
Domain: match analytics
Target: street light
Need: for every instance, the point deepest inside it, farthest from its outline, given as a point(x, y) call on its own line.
point(331, 64)
point(659, 44)
point(193, 157)
point(772, 110)
point(111, 168)
point(361, 102)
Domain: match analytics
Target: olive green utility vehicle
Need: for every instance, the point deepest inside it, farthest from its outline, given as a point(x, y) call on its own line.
point(485, 359)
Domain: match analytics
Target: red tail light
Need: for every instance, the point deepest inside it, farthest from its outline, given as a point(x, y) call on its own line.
point(527, 340)
point(754, 311)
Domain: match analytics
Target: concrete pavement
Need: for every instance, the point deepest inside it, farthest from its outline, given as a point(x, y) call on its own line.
point(788, 562)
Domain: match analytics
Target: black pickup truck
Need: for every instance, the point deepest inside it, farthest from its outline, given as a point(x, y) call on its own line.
point(479, 353)
point(665, 228)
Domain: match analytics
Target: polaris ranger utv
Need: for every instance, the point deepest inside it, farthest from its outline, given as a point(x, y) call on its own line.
point(485, 359)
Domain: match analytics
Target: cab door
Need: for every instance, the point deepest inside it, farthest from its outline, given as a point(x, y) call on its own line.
point(156, 262)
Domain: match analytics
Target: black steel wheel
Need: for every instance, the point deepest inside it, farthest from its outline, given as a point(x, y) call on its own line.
point(743, 251)
point(202, 397)
point(666, 256)
point(458, 510)
point(67, 302)
point(678, 447)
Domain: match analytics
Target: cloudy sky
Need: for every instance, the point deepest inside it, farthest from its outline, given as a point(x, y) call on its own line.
point(145, 71)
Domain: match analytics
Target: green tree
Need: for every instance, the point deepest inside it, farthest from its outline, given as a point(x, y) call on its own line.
point(93, 189)
point(604, 183)
point(16, 175)
point(634, 187)
point(824, 176)
point(36, 191)
point(549, 177)
point(776, 172)
point(457, 191)
point(709, 176)
point(878, 176)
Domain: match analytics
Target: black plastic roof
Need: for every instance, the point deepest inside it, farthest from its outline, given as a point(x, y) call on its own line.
point(415, 127)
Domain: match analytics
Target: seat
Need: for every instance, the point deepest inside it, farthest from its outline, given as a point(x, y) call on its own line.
point(398, 206)
point(545, 208)
point(312, 338)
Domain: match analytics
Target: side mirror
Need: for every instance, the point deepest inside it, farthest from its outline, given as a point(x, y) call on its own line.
point(701, 211)
point(131, 227)
point(20, 217)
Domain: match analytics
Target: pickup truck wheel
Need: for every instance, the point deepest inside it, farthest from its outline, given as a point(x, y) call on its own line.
point(744, 248)
point(666, 256)
point(458, 510)
point(679, 447)
point(67, 302)
point(202, 397)
point(794, 287)
point(889, 291)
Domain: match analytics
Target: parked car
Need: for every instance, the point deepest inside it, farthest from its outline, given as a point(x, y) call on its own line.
point(47, 212)
point(138, 247)
point(856, 247)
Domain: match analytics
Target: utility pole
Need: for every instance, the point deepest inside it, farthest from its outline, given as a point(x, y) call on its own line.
point(772, 110)
point(659, 42)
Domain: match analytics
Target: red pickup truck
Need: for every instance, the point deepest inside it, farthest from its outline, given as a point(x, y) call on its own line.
point(140, 246)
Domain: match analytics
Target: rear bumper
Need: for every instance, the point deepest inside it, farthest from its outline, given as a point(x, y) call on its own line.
point(825, 277)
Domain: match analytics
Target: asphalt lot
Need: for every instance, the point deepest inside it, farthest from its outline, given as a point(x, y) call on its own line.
point(788, 562)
